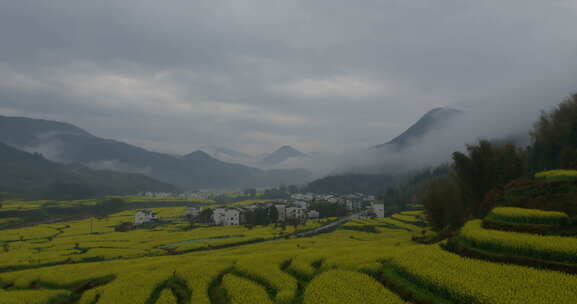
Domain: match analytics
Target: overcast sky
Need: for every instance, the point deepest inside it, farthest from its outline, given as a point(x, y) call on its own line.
point(253, 75)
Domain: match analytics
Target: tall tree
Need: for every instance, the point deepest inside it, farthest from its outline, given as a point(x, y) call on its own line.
point(554, 138)
point(444, 204)
point(484, 167)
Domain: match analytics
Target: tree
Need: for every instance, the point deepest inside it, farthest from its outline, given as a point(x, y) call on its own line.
point(554, 138)
point(394, 197)
point(444, 204)
point(273, 214)
point(205, 216)
point(261, 216)
point(326, 209)
point(484, 167)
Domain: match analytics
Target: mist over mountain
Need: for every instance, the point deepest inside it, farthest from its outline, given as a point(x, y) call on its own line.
point(435, 119)
point(34, 176)
point(67, 144)
point(285, 157)
point(280, 155)
point(430, 140)
point(229, 155)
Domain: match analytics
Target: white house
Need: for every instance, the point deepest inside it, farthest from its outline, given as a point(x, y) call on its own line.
point(308, 197)
point(379, 210)
point(296, 213)
point(144, 216)
point(301, 204)
point(349, 205)
point(313, 214)
point(332, 200)
point(193, 211)
point(227, 216)
point(297, 196)
point(281, 209)
point(232, 217)
point(218, 216)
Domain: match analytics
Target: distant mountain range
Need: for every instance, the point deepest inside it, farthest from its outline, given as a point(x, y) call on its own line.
point(69, 144)
point(435, 119)
point(32, 175)
point(280, 155)
point(228, 155)
point(265, 160)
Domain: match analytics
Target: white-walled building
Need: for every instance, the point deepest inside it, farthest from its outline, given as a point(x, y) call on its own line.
point(301, 204)
point(332, 200)
point(281, 210)
point(227, 216)
point(296, 213)
point(232, 217)
point(313, 215)
point(349, 204)
point(144, 216)
point(379, 210)
point(297, 196)
point(218, 216)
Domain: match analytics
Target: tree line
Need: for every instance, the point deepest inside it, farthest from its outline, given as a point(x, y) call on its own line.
point(476, 178)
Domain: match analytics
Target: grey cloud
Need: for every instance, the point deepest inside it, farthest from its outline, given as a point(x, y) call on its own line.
point(251, 75)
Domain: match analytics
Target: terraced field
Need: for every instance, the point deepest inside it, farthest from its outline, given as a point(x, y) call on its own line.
point(528, 216)
point(350, 265)
point(95, 239)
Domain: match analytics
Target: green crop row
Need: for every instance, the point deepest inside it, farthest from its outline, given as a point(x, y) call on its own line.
point(549, 248)
point(463, 280)
point(515, 215)
point(341, 286)
point(557, 174)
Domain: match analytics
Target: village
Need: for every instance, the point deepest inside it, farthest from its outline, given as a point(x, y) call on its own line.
point(296, 210)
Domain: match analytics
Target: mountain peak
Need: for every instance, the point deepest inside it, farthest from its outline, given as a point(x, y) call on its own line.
point(218, 152)
point(289, 149)
point(23, 131)
point(434, 119)
point(199, 156)
point(280, 155)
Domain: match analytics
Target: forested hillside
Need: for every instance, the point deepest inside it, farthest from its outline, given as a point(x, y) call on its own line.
point(31, 175)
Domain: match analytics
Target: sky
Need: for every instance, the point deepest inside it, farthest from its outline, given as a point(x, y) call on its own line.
point(327, 76)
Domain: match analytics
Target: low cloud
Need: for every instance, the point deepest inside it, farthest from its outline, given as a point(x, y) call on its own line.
point(329, 76)
point(337, 86)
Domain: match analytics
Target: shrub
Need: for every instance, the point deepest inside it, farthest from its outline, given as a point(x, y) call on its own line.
point(444, 205)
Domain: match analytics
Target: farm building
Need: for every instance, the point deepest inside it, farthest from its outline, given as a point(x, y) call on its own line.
point(227, 216)
point(313, 215)
point(296, 213)
point(379, 210)
point(281, 210)
point(144, 216)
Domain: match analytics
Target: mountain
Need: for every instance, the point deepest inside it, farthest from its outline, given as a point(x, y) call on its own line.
point(66, 143)
point(32, 175)
point(280, 155)
point(432, 120)
point(229, 155)
point(351, 183)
